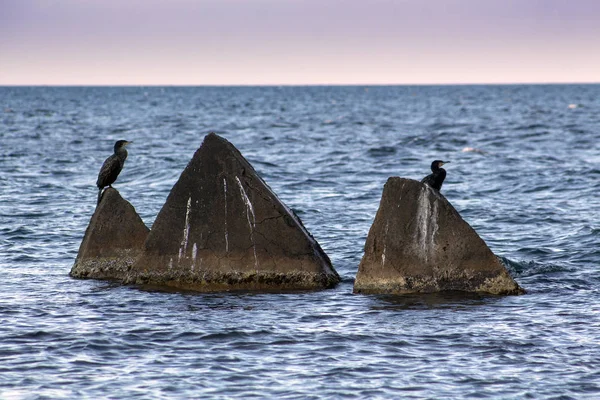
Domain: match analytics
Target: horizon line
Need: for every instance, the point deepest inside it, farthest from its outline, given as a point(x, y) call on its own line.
point(289, 84)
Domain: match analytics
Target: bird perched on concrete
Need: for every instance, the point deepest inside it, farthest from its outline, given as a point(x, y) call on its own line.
point(436, 179)
point(112, 167)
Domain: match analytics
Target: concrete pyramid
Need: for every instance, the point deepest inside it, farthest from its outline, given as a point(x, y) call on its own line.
point(419, 243)
point(112, 241)
point(223, 228)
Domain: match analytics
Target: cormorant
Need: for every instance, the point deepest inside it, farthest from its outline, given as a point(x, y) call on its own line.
point(112, 167)
point(436, 179)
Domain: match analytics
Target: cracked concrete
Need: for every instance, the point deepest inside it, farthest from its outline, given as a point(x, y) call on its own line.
point(113, 240)
point(428, 247)
point(258, 237)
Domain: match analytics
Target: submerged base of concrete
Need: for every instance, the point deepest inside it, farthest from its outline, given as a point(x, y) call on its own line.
point(110, 268)
point(500, 284)
point(237, 281)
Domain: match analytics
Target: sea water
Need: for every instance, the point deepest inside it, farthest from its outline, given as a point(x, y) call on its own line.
point(524, 172)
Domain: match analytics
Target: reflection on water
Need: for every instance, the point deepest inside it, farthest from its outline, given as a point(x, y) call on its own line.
point(452, 300)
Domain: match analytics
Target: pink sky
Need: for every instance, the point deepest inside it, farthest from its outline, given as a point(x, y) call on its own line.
point(247, 42)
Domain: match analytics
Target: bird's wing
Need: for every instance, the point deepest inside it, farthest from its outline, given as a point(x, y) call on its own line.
point(428, 180)
point(109, 171)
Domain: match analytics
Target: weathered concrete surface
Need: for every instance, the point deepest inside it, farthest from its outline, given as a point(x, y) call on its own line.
point(113, 240)
point(222, 228)
point(419, 243)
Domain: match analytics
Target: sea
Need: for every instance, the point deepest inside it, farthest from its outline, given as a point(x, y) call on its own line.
point(524, 172)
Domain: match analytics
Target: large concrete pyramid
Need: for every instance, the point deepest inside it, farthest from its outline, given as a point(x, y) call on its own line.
point(223, 228)
point(114, 238)
point(419, 243)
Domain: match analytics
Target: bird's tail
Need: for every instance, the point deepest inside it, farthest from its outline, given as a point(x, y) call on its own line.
point(99, 197)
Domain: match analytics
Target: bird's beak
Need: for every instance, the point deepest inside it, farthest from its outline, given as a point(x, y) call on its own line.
point(128, 143)
point(445, 162)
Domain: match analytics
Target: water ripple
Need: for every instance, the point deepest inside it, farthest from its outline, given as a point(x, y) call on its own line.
point(529, 191)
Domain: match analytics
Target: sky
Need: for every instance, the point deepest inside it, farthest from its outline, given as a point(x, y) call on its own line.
point(298, 42)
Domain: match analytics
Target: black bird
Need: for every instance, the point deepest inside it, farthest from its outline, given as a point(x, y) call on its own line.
point(436, 179)
point(112, 167)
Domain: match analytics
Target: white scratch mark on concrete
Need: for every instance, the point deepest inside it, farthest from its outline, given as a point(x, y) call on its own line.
point(251, 224)
point(427, 225)
point(226, 232)
point(194, 254)
point(186, 229)
point(387, 225)
point(248, 204)
point(434, 214)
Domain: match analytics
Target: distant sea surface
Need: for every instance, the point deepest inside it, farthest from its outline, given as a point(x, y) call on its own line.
point(524, 172)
